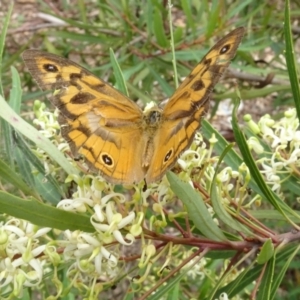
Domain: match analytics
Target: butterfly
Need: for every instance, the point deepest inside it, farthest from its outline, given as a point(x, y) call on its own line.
point(111, 131)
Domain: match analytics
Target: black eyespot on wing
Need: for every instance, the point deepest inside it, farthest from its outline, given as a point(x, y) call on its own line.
point(225, 49)
point(168, 155)
point(50, 68)
point(107, 160)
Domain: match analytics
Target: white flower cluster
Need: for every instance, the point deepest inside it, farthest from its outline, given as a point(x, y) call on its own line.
point(45, 120)
point(279, 146)
point(27, 252)
point(22, 257)
point(89, 251)
point(91, 256)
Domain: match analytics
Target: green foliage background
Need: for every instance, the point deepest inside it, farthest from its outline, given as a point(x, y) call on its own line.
point(138, 33)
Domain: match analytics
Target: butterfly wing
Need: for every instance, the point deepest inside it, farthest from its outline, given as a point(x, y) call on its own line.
point(182, 113)
point(97, 121)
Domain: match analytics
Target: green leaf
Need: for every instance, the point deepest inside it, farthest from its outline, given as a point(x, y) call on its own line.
point(138, 93)
point(213, 17)
point(43, 215)
point(266, 252)
point(187, 8)
point(158, 28)
point(165, 86)
point(31, 133)
point(47, 189)
point(196, 208)
point(6, 132)
point(271, 214)
point(290, 58)
point(44, 182)
point(24, 167)
point(9, 175)
point(170, 290)
point(217, 204)
point(237, 8)
point(264, 292)
point(118, 73)
point(5, 129)
point(253, 94)
point(4, 28)
point(15, 96)
point(281, 274)
point(178, 34)
point(246, 277)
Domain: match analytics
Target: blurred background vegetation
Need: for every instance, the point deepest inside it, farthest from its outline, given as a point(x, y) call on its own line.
point(138, 32)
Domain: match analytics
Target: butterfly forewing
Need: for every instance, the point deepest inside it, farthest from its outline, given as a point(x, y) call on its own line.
point(194, 91)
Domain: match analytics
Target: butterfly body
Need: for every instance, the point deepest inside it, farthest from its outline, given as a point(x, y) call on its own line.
point(114, 135)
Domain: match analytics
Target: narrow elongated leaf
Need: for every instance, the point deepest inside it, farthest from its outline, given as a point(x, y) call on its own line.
point(49, 182)
point(139, 93)
point(2, 41)
point(31, 133)
point(217, 204)
point(170, 288)
point(237, 8)
point(290, 58)
point(252, 94)
point(212, 19)
point(24, 167)
point(5, 128)
point(264, 292)
point(187, 8)
point(162, 82)
point(15, 96)
point(43, 215)
point(280, 275)
point(158, 28)
point(118, 73)
point(46, 189)
point(9, 175)
point(196, 208)
point(249, 275)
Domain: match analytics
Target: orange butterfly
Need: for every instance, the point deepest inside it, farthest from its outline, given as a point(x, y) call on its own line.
point(114, 135)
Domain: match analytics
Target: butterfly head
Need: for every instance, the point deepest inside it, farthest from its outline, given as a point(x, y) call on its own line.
point(153, 117)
